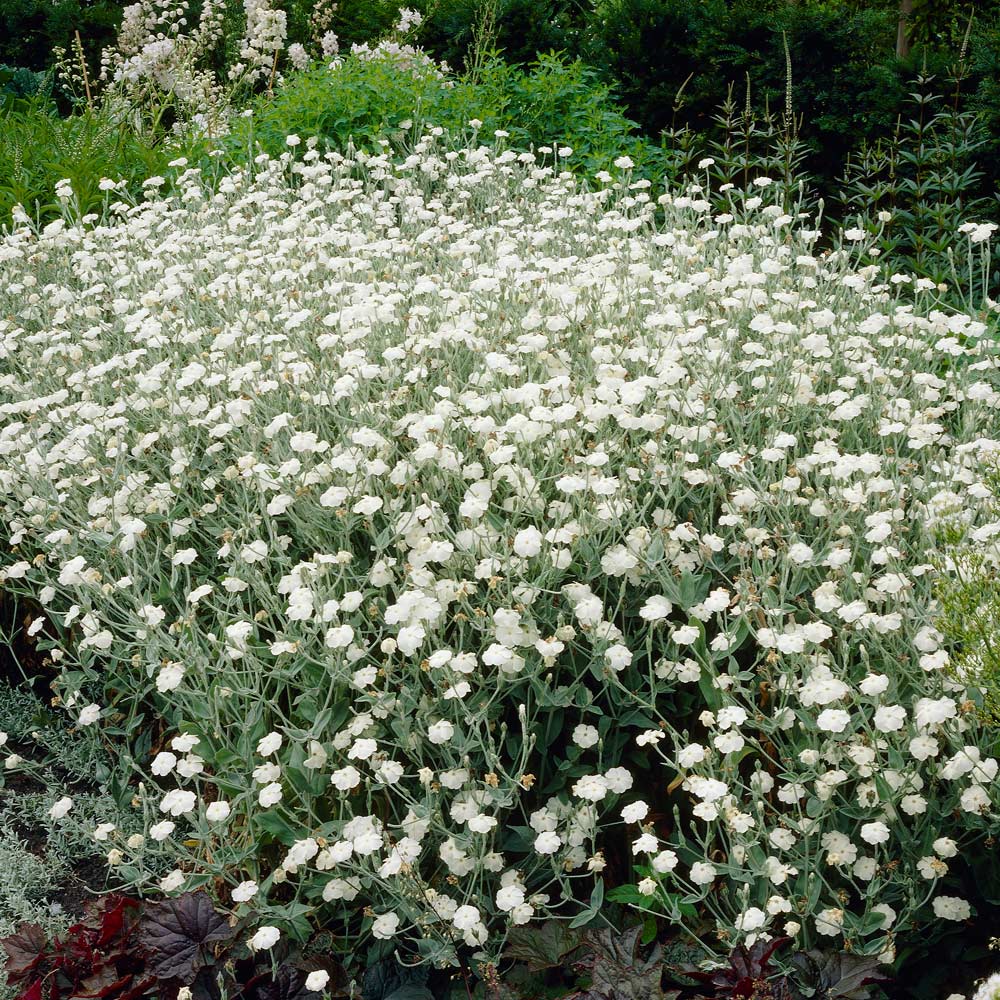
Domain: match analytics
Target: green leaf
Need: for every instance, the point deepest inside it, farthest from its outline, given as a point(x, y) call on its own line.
point(627, 894)
point(593, 909)
point(279, 828)
point(648, 931)
point(709, 692)
point(410, 992)
point(694, 589)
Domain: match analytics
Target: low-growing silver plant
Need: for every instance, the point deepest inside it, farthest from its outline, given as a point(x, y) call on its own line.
point(460, 520)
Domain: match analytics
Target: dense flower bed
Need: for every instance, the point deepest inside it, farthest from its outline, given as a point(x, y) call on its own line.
point(480, 538)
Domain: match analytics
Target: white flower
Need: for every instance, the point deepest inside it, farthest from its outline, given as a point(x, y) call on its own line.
point(548, 842)
point(800, 553)
point(618, 657)
point(929, 712)
point(945, 847)
point(367, 506)
point(951, 908)
point(618, 780)
point(340, 637)
point(440, 732)
point(269, 744)
point(685, 635)
point(924, 747)
point(830, 921)
point(466, 917)
point(591, 787)
point(665, 861)
point(634, 812)
point(889, 718)
point(751, 919)
point(178, 802)
point(645, 843)
point(217, 811)
point(316, 981)
point(385, 926)
point(163, 763)
point(89, 715)
point(509, 897)
point(172, 880)
point(702, 873)
point(833, 720)
point(265, 937)
point(690, 755)
point(656, 609)
point(528, 542)
point(162, 830)
point(585, 736)
point(244, 892)
point(707, 789)
point(875, 833)
point(346, 778)
point(61, 807)
point(270, 794)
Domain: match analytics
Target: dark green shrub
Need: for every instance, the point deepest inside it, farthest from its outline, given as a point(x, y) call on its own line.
point(355, 21)
point(17, 83)
point(653, 48)
point(914, 190)
point(847, 85)
point(565, 102)
point(359, 99)
point(523, 29)
point(30, 29)
point(984, 89)
point(553, 101)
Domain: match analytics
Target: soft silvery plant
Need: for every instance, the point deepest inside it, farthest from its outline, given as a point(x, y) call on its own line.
point(461, 523)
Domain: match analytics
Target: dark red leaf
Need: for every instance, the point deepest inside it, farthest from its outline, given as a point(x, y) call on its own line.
point(33, 992)
point(25, 948)
point(118, 913)
point(97, 982)
point(101, 986)
point(177, 934)
point(746, 968)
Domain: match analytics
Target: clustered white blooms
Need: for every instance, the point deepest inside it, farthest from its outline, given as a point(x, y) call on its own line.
point(434, 503)
point(401, 54)
point(159, 61)
point(157, 57)
point(263, 40)
point(989, 989)
point(320, 27)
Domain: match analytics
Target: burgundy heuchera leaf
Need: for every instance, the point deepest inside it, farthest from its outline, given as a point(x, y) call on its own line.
point(177, 934)
point(25, 948)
